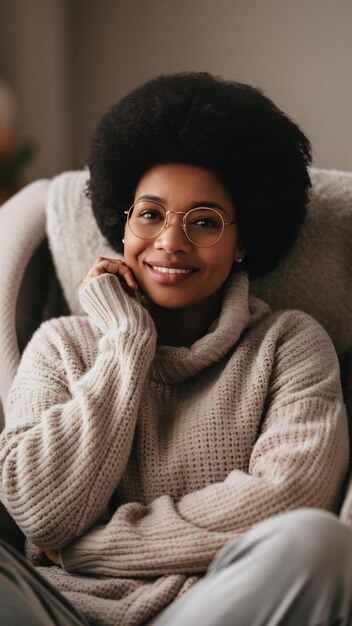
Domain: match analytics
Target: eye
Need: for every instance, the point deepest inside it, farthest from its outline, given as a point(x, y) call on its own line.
point(148, 212)
point(150, 215)
point(205, 222)
point(204, 219)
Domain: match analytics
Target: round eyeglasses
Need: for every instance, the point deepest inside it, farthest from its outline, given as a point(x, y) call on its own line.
point(202, 226)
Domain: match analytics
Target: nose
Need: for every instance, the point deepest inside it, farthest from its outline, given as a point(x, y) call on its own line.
point(173, 238)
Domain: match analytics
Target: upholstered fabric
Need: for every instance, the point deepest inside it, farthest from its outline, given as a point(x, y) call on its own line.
point(22, 229)
point(317, 275)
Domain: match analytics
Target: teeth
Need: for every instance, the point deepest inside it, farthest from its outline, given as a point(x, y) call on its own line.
point(170, 270)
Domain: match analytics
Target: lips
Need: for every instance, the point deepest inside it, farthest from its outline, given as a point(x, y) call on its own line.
point(167, 273)
point(170, 270)
point(177, 265)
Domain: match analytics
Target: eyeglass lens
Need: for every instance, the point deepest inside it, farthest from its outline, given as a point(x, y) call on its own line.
point(204, 226)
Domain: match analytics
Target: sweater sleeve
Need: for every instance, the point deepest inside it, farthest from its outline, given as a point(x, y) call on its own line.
point(67, 439)
point(300, 459)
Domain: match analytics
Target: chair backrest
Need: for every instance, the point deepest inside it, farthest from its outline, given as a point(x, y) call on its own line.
point(317, 274)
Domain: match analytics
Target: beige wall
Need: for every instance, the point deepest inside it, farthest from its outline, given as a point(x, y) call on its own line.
point(87, 54)
point(34, 59)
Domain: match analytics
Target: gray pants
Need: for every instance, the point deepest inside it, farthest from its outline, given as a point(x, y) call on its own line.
point(294, 569)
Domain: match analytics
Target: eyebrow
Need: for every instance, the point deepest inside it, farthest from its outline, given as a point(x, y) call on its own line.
point(206, 203)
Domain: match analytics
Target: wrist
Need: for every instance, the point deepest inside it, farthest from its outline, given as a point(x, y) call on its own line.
point(112, 309)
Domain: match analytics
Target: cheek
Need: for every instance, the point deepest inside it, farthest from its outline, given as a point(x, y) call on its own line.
point(131, 245)
point(224, 269)
point(221, 258)
point(133, 248)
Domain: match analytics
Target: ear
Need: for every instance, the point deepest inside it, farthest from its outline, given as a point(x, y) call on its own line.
point(240, 253)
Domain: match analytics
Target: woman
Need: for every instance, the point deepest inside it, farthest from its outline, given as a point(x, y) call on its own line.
point(180, 417)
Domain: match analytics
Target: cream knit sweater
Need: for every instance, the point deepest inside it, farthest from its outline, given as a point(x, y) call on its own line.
point(141, 461)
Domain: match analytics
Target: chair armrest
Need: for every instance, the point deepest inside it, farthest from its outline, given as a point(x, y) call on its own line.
point(22, 228)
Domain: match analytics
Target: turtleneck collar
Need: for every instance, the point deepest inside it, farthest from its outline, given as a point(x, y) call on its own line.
point(239, 311)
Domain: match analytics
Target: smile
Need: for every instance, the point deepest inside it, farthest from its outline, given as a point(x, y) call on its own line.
point(169, 275)
point(170, 270)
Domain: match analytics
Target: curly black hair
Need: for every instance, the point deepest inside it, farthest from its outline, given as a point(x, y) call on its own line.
point(230, 128)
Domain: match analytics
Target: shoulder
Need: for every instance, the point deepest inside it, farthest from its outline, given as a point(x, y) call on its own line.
point(294, 328)
point(299, 332)
point(68, 327)
point(294, 342)
point(303, 355)
point(58, 354)
point(59, 340)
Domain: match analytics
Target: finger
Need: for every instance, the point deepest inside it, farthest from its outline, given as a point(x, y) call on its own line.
point(129, 290)
point(106, 265)
point(111, 265)
point(102, 266)
point(116, 267)
point(127, 275)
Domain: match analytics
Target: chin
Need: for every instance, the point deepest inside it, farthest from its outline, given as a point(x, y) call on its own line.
point(172, 303)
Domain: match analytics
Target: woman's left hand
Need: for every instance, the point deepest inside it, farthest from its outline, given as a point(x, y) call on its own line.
point(52, 555)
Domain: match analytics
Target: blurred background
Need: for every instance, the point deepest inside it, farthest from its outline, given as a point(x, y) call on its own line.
point(63, 63)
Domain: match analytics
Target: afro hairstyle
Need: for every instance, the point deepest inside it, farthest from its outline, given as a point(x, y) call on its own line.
point(233, 130)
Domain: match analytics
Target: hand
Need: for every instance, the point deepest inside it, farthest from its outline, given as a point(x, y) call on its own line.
point(51, 555)
point(121, 309)
point(118, 267)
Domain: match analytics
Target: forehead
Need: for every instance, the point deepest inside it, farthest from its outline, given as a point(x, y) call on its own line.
point(182, 184)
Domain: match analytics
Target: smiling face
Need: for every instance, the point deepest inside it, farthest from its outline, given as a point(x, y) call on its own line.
point(169, 269)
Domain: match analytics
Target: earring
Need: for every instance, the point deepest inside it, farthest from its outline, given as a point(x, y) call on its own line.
point(123, 241)
point(239, 260)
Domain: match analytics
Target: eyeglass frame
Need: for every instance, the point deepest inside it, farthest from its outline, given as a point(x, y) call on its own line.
point(184, 213)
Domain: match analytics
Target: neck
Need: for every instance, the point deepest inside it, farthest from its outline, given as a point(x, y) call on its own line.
point(182, 327)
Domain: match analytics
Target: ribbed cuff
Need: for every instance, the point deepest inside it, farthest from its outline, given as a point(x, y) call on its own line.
point(111, 308)
point(80, 555)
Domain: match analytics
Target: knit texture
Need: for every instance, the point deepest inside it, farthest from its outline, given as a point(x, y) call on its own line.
point(141, 461)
